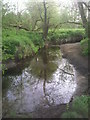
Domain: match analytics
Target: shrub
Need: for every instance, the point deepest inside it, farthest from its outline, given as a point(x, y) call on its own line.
point(79, 108)
point(85, 43)
point(19, 43)
point(60, 34)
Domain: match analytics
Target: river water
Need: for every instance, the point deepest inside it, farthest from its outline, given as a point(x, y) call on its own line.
point(44, 81)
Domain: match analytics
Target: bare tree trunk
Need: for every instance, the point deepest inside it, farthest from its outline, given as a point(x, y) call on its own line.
point(45, 25)
point(82, 13)
point(89, 21)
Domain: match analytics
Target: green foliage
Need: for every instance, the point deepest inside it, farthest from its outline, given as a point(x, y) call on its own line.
point(81, 105)
point(60, 34)
point(79, 108)
point(85, 43)
point(19, 43)
point(70, 115)
point(36, 38)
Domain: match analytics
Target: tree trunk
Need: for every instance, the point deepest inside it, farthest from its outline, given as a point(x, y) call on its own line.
point(45, 25)
point(45, 31)
point(89, 22)
point(82, 13)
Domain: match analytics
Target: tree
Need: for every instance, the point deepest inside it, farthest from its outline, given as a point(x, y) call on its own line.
point(85, 18)
point(46, 21)
point(82, 13)
point(43, 15)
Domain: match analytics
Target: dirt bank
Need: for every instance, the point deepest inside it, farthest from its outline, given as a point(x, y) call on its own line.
point(73, 53)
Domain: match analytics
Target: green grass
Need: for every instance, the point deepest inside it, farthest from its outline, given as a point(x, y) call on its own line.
point(79, 108)
point(65, 33)
point(85, 43)
point(19, 43)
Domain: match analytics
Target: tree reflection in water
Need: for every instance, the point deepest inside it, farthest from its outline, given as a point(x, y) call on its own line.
point(48, 80)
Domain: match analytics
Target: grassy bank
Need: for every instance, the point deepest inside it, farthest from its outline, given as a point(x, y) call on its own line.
point(66, 35)
point(18, 44)
point(79, 108)
point(85, 43)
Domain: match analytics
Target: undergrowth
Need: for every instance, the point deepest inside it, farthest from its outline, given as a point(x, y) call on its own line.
point(85, 45)
point(19, 43)
point(62, 34)
point(79, 108)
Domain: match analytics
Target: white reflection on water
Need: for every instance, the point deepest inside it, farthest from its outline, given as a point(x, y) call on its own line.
point(27, 92)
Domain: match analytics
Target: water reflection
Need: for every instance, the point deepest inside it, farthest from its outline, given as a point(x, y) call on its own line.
point(44, 63)
point(48, 80)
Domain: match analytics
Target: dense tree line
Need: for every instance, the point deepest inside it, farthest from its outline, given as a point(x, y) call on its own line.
point(44, 15)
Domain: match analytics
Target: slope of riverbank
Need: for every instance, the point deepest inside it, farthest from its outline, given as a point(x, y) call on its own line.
point(73, 53)
point(22, 44)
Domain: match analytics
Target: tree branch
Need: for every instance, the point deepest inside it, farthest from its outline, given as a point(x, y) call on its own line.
point(36, 23)
point(66, 72)
point(68, 22)
point(40, 12)
point(86, 5)
point(19, 26)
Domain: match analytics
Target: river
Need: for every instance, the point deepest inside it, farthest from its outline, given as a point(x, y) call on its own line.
point(44, 81)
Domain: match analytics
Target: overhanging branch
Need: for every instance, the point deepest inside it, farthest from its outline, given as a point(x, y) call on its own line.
point(19, 26)
point(67, 22)
point(88, 7)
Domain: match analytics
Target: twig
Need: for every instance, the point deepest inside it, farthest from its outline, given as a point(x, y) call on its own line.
point(67, 72)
